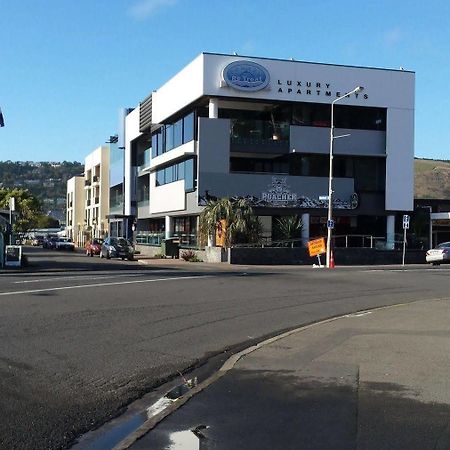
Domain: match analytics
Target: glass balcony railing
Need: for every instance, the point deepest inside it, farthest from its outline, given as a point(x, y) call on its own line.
point(116, 208)
point(147, 238)
point(144, 159)
point(256, 132)
point(186, 240)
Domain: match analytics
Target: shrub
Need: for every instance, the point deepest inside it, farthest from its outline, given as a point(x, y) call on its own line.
point(190, 256)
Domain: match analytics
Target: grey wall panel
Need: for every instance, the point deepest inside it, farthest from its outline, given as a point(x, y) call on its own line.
point(317, 140)
point(213, 145)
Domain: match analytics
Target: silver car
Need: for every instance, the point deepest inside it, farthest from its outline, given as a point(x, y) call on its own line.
point(439, 254)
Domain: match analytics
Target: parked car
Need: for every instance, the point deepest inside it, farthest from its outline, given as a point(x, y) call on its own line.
point(117, 247)
point(63, 243)
point(439, 254)
point(49, 241)
point(93, 247)
point(37, 241)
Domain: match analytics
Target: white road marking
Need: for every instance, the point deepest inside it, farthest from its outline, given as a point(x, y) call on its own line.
point(118, 283)
point(403, 270)
point(90, 277)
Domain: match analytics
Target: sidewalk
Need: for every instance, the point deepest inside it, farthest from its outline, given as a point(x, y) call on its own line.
point(377, 380)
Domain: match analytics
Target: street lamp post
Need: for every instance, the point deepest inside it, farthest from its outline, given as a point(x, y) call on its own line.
point(330, 177)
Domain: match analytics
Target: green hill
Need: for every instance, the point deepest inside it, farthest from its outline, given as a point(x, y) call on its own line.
point(431, 179)
point(47, 181)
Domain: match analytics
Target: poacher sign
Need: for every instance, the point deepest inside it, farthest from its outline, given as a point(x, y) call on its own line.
point(278, 192)
point(249, 76)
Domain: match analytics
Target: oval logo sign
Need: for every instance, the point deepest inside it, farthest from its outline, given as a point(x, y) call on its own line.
point(246, 76)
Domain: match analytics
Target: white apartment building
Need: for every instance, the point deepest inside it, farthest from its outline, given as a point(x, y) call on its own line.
point(75, 207)
point(88, 198)
point(259, 128)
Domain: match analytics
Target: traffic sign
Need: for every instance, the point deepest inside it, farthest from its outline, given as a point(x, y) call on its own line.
point(316, 247)
point(406, 222)
point(330, 224)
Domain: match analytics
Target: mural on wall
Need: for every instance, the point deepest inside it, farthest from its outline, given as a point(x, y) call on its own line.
point(278, 195)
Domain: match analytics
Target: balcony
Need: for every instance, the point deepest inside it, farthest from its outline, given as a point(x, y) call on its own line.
point(147, 238)
point(144, 160)
point(96, 179)
point(266, 136)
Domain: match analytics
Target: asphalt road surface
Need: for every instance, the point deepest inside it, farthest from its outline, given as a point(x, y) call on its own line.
point(82, 337)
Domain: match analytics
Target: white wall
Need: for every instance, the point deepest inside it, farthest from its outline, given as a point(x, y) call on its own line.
point(167, 198)
point(183, 150)
point(185, 87)
point(131, 133)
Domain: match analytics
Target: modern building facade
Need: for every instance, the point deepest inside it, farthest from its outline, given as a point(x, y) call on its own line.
point(88, 198)
point(75, 208)
point(231, 126)
point(96, 187)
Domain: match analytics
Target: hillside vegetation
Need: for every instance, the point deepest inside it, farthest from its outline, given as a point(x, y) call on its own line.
point(47, 181)
point(431, 179)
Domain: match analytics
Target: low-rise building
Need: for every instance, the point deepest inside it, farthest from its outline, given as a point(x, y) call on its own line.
point(259, 128)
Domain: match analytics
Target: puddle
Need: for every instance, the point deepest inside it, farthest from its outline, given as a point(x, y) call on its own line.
point(109, 438)
point(184, 440)
point(114, 432)
point(172, 396)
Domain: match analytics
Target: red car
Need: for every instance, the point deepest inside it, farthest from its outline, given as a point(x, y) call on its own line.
point(93, 247)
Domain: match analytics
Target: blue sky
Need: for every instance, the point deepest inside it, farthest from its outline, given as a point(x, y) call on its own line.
point(67, 67)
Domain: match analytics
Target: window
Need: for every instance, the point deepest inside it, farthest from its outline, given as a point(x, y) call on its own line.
point(169, 138)
point(188, 128)
point(184, 170)
point(178, 133)
point(173, 135)
point(189, 175)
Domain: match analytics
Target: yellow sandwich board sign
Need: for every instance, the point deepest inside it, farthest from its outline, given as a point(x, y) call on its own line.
point(316, 247)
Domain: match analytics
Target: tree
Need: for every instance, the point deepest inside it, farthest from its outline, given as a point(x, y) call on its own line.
point(44, 221)
point(27, 208)
point(242, 225)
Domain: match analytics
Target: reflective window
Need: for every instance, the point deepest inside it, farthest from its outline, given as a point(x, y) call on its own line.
point(178, 133)
point(169, 138)
point(189, 175)
point(188, 128)
point(184, 170)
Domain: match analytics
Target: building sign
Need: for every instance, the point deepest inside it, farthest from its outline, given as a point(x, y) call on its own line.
point(250, 77)
point(278, 193)
point(312, 89)
point(246, 76)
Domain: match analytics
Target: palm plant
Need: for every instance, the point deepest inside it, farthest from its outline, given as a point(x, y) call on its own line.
point(289, 227)
point(241, 222)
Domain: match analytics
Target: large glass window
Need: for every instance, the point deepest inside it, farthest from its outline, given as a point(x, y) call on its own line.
point(271, 122)
point(178, 133)
point(184, 170)
point(188, 128)
point(189, 175)
point(360, 117)
point(173, 135)
point(368, 172)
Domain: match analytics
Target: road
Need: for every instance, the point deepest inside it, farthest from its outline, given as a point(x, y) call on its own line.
point(83, 337)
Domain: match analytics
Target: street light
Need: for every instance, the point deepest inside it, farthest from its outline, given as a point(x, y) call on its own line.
point(330, 177)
